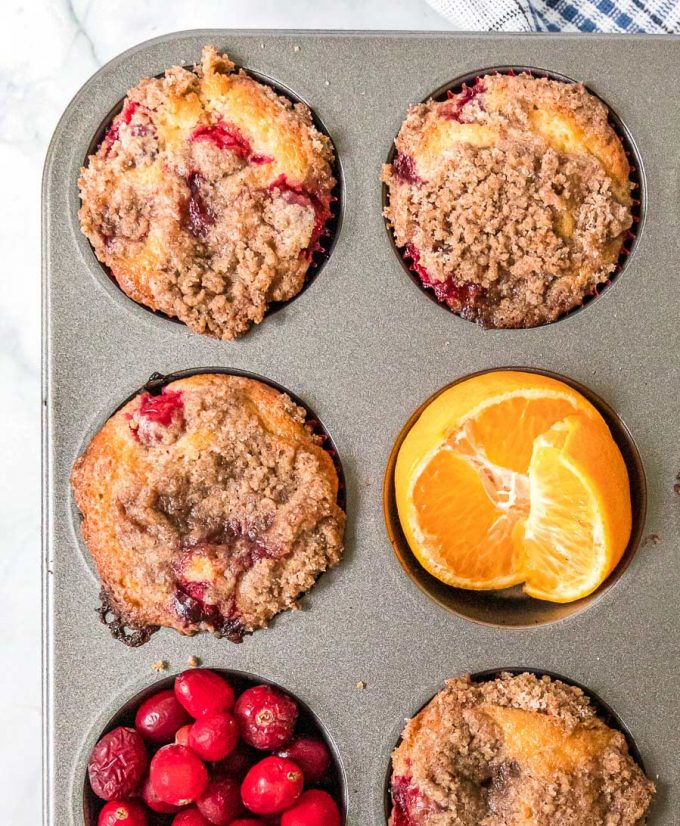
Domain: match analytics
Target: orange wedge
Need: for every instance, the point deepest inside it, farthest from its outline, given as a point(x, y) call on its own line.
point(579, 519)
point(511, 477)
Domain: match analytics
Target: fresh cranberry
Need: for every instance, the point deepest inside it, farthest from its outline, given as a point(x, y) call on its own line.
point(314, 808)
point(182, 736)
point(266, 716)
point(160, 717)
point(177, 775)
point(221, 802)
point(272, 785)
point(246, 821)
point(190, 817)
point(214, 736)
point(117, 763)
point(122, 813)
point(203, 692)
point(153, 801)
point(238, 762)
point(311, 754)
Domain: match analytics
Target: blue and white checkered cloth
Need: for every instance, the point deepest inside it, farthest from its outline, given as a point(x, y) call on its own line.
point(657, 16)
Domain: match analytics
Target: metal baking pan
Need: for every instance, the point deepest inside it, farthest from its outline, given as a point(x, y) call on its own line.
point(363, 347)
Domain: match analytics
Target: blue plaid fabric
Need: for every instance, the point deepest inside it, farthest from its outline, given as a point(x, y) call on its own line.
point(655, 16)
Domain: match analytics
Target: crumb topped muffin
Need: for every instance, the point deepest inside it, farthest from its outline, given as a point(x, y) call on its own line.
point(208, 507)
point(512, 199)
point(208, 196)
point(515, 750)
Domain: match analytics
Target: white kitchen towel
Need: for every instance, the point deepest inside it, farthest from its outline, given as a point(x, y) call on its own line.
point(659, 16)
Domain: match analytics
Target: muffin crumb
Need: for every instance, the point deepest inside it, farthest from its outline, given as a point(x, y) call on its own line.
point(159, 665)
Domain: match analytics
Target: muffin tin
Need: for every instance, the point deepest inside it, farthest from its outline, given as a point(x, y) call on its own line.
point(364, 349)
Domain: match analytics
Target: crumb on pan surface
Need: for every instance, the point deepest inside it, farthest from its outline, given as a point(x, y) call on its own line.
point(208, 507)
point(208, 196)
point(519, 750)
point(511, 200)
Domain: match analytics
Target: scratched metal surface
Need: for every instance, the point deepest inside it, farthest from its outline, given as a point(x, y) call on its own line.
point(363, 347)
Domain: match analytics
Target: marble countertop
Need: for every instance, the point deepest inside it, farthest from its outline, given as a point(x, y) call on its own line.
point(48, 48)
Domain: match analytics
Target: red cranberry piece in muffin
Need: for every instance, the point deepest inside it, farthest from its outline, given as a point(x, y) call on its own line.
point(511, 200)
point(187, 199)
point(209, 507)
point(514, 750)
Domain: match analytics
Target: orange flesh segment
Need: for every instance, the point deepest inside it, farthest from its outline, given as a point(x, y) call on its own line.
point(466, 533)
point(573, 538)
point(506, 431)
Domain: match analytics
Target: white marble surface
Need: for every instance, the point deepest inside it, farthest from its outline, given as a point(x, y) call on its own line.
point(48, 48)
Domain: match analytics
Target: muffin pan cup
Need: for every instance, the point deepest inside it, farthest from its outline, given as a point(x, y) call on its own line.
point(363, 349)
point(123, 714)
point(603, 710)
point(511, 607)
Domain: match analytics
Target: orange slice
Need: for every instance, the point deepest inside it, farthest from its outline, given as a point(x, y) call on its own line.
point(512, 477)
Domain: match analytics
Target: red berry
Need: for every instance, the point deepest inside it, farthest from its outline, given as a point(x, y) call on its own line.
point(182, 735)
point(312, 756)
point(122, 813)
point(314, 808)
point(153, 801)
point(159, 718)
point(221, 802)
point(177, 775)
point(272, 785)
point(117, 763)
point(215, 736)
point(266, 716)
point(238, 762)
point(246, 821)
point(190, 817)
point(203, 692)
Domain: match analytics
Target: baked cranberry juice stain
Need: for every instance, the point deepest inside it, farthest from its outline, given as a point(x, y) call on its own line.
point(328, 209)
point(464, 297)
